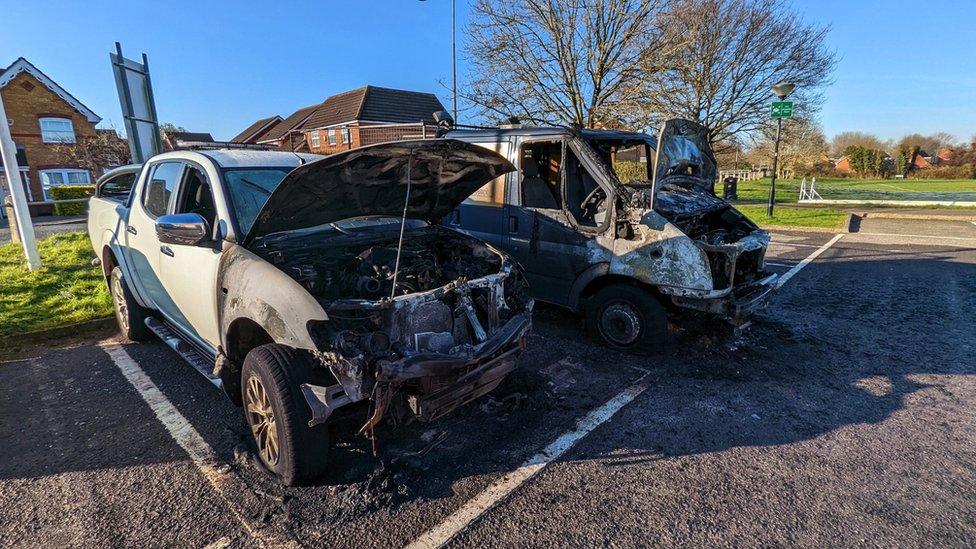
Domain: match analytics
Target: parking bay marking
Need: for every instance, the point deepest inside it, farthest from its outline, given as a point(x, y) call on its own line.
point(470, 511)
point(185, 435)
point(501, 488)
point(807, 260)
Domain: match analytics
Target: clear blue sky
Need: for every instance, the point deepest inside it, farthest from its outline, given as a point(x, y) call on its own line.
point(217, 66)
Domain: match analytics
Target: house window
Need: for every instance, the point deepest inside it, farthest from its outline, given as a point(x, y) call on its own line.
point(57, 130)
point(332, 136)
point(315, 139)
point(346, 138)
point(62, 176)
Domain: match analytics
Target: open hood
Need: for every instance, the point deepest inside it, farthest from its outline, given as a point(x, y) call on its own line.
point(373, 181)
point(684, 157)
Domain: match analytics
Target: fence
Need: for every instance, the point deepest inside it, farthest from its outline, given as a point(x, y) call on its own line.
point(371, 135)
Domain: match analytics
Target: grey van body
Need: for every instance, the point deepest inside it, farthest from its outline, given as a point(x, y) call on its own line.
point(664, 232)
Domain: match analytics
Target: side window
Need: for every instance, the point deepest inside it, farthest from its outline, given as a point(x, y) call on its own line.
point(119, 186)
point(196, 196)
point(160, 188)
point(539, 166)
point(585, 199)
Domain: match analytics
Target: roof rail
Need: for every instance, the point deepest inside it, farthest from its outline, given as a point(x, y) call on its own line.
point(209, 145)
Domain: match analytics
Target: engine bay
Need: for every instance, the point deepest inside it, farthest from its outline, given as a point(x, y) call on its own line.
point(362, 266)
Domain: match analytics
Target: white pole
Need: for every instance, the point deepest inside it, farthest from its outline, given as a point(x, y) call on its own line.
point(24, 225)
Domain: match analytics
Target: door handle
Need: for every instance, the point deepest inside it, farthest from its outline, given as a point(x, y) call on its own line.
point(131, 230)
point(512, 224)
point(166, 250)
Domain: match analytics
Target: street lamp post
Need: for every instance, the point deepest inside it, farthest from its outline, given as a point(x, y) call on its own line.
point(453, 58)
point(781, 90)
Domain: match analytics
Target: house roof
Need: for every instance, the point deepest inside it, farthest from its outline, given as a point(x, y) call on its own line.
point(374, 104)
point(294, 122)
point(23, 65)
point(256, 129)
point(191, 136)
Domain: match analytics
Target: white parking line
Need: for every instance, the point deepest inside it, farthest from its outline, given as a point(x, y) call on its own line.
point(184, 434)
point(921, 235)
point(501, 488)
point(816, 253)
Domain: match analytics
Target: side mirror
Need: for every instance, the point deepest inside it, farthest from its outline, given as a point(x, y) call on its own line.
point(185, 229)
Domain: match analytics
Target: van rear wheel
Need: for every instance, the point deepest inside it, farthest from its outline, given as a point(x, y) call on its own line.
point(627, 318)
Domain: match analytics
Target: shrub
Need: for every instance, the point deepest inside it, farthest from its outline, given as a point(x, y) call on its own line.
point(965, 171)
point(630, 171)
point(67, 192)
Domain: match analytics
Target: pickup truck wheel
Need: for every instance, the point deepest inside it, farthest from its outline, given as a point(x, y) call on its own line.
point(627, 318)
point(278, 415)
point(130, 315)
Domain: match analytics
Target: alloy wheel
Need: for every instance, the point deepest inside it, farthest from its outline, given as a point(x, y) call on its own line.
point(261, 418)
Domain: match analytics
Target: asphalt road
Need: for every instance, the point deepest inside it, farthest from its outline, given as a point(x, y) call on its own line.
point(846, 415)
point(45, 226)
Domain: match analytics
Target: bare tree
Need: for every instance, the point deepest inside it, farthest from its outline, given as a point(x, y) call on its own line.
point(733, 53)
point(844, 140)
point(803, 146)
point(96, 153)
point(565, 62)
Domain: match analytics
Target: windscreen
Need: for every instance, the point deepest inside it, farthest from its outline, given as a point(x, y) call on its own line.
point(249, 191)
point(628, 159)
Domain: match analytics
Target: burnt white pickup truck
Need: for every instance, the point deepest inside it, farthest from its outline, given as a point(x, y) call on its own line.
point(301, 284)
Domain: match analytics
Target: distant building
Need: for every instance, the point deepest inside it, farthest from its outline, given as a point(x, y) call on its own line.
point(287, 134)
point(174, 140)
point(43, 116)
point(843, 165)
point(370, 115)
point(253, 133)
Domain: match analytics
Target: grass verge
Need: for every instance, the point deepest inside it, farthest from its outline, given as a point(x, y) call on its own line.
point(788, 190)
point(65, 290)
point(796, 217)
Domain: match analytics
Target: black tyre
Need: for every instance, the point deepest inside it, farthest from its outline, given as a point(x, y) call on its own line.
point(627, 318)
point(278, 415)
point(130, 315)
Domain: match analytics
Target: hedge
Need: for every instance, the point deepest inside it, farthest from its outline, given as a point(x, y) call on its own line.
point(966, 171)
point(67, 192)
point(628, 171)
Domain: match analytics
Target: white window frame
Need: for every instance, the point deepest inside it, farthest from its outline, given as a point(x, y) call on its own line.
point(346, 136)
point(315, 139)
point(55, 139)
point(65, 173)
point(332, 136)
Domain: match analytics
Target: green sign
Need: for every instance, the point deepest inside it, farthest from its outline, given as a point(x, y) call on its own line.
point(782, 109)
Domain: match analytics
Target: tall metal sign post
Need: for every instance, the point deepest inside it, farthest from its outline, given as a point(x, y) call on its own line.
point(138, 106)
point(25, 229)
point(781, 109)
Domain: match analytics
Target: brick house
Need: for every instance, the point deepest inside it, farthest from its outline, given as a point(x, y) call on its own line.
point(287, 134)
point(253, 133)
point(370, 115)
point(43, 115)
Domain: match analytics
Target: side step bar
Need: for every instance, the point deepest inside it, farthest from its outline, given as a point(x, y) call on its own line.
point(185, 349)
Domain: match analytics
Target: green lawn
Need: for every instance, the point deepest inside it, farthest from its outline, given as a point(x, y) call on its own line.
point(66, 289)
point(796, 217)
point(788, 190)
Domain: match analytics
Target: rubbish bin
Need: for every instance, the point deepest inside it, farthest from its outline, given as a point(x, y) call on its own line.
point(730, 188)
point(8, 208)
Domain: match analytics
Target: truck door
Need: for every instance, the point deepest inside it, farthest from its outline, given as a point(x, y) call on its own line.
point(189, 272)
point(142, 246)
point(540, 233)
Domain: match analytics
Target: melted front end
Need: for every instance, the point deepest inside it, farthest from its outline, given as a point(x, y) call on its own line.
point(421, 338)
point(735, 248)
